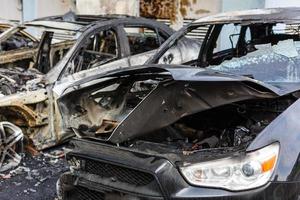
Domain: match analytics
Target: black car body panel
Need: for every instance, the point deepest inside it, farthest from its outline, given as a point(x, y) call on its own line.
point(167, 118)
point(111, 169)
point(170, 183)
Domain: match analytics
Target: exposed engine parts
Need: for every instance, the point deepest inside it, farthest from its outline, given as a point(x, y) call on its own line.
point(230, 126)
point(16, 79)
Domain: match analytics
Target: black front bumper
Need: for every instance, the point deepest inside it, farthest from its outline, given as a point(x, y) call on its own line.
point(114, 173)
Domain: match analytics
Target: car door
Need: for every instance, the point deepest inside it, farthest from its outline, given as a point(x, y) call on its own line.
point(99, 50)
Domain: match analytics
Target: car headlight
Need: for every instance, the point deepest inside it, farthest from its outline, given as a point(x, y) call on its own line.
point(250, 171)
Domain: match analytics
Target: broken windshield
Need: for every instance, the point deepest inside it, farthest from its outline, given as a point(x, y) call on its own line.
point(277, 63)
point(268, 52)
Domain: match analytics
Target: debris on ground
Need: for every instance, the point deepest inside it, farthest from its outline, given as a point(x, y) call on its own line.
point(35, 177)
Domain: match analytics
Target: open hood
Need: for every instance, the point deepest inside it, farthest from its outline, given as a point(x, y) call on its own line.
point(123, 105)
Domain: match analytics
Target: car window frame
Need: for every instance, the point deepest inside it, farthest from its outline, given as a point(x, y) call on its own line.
point(84, 37)
point(57, 74)
point(158, 32)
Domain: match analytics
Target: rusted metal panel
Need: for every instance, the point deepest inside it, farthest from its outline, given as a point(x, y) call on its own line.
point(177, 11)
point(16, 55)
point(21, 104)
point(163, 9)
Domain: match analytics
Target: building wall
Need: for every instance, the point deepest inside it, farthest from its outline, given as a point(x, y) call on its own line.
point(42, 8)
point(185, 9)
point(29, 10)
point(197, 8)
point(231, 5)
point(54, 7)
point(97, 7)
point(178, 11)
point(11, 9)
point(194, 9)
point(175, 10)
point(282, 3)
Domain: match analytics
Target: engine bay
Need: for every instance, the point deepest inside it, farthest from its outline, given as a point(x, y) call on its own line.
point(232, 126)
point(156, 114)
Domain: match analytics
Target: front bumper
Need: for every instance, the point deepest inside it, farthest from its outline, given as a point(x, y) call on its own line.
point(116, 173)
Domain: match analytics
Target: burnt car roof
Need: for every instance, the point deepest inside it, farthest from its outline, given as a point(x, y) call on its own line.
point(55, 25)
point(291, 14)
point(84, 19)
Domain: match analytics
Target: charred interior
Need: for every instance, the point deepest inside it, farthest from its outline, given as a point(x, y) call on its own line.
point(97, 110)
point(24, 57)
point(101, 110)
point(231, 126)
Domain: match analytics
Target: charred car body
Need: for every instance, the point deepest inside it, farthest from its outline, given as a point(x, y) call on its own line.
point(226, 128)
point(20, 46)
point(70, 48)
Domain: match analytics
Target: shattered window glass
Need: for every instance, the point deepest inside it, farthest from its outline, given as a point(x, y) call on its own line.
point(269, 63)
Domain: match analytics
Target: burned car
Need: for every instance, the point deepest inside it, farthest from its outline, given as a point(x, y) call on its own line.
point(222, 126)
point(69, 49)
point(15, 43)
point(20, 58)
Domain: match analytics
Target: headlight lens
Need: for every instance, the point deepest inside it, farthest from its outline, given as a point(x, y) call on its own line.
point(235, 173)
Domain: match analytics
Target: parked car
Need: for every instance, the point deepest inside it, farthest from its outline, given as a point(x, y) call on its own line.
point(222, 126)
point(15, 46)
point(70, 48)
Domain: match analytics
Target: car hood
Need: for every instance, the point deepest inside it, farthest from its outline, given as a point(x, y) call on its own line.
point(189, 91)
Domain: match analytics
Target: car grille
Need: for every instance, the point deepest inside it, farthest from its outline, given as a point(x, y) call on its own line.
point(81, 193)
point(118, 173)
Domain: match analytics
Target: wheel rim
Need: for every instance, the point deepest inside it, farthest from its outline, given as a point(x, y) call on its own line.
point(11, 146)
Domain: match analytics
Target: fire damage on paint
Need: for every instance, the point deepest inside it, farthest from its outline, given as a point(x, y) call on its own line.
point(142, 132)
point(39, 59)
point(22, 67)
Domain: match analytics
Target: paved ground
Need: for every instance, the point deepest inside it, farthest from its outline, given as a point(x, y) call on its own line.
point(35, 178)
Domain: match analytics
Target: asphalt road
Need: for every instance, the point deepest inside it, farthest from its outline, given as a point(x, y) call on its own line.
point(35, 178)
